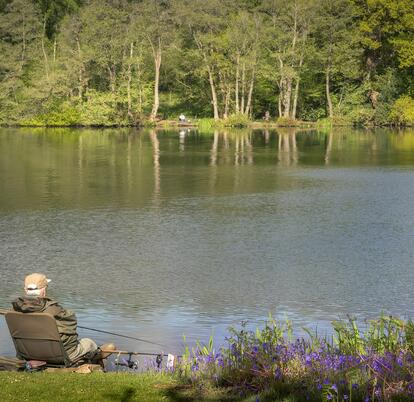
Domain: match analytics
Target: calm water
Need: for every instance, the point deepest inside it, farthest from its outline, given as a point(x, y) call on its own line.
point(160, 234)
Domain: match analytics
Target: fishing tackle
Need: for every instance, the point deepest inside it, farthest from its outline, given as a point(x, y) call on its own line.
point(131, 364)
point(158, 360)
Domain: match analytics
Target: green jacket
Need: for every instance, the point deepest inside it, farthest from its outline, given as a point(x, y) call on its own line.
point(65, 319)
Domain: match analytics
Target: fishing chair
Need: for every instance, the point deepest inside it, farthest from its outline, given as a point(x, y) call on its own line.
point(37, 341)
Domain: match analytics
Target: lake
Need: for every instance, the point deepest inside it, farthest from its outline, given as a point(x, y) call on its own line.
point(160, 234)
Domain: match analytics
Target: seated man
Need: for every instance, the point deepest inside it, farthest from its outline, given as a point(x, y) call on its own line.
point(35, 301)
point(182, 118)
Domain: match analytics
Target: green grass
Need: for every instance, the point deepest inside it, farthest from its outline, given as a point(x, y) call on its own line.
point(73, 387)
point(83, 387)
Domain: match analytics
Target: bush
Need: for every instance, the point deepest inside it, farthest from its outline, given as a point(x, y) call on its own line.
point(67, 115)
point(335, 121)
point(402, 112)
point(64, 114)
point(99, 109)
point(286, 122)
point(237, 120)
point(362, 116)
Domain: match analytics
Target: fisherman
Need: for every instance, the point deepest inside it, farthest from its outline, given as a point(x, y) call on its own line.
point(182, 118)
point(36, 301)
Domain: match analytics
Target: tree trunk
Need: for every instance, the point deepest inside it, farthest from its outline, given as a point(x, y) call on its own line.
point(243, 81)
point(112, 78)
point(23, 56)
point(54, 50)
point(131, 55)
point(226, 104)
point(213, 94)
point(139, 75)
point(80, 72)
point(287, 97)
point(44, 49)
point(295, 99)
point(281, 86)
point(250, 95)
point(279, 100)
point(328, 93)
point(157, 62)
point(237, 84)
point(296, 93)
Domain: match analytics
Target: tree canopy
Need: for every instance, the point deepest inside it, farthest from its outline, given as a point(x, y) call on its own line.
point(116, 62)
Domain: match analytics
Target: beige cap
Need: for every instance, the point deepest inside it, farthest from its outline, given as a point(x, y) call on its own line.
point(35, 281)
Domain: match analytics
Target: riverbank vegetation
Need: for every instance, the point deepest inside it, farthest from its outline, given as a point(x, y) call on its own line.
point(269, 364)
point(376, 364)
point(119, 62)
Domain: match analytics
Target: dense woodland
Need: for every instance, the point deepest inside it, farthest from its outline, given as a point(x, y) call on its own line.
point(120, 62)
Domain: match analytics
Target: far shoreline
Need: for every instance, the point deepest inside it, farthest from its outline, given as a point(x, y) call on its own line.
point(210, 124)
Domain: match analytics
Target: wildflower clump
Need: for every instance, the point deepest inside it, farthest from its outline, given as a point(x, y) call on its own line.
point(376, 365)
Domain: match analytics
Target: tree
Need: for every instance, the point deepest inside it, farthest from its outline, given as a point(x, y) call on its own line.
point(20, 33)
point(387, 33)
point(336, 43)
point(245, 48)
point(154, 23)
point(287, 31)
point(207, 22)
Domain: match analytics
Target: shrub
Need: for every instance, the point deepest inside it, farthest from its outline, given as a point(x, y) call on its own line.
point(335, 121)
point(286, 122)
point(402, 112)
point(362, 116)
point(99, 110)
point(66, 115)
point(237, 120)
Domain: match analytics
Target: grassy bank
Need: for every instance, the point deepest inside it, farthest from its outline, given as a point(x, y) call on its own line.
point(100, 387)
point(78, 387)
point(91, 387)
point(207, 124)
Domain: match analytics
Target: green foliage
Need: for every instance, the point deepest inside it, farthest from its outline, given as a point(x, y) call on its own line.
point(99, 109)
point(386, 334)
point(237, 120)
point(334, 122)
point(97, 62)
point(208, 124)
point(286, 122)
point(402, 111)
point(65, 114)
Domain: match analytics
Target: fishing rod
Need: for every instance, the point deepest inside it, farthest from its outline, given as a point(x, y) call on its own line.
point(127, 363)
point(121, 336)
point(4, 312)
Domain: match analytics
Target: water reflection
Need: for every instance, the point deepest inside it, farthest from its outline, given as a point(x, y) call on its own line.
point(287, 149)
point(186, 233)
point(328, 147)
point(156, 158)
